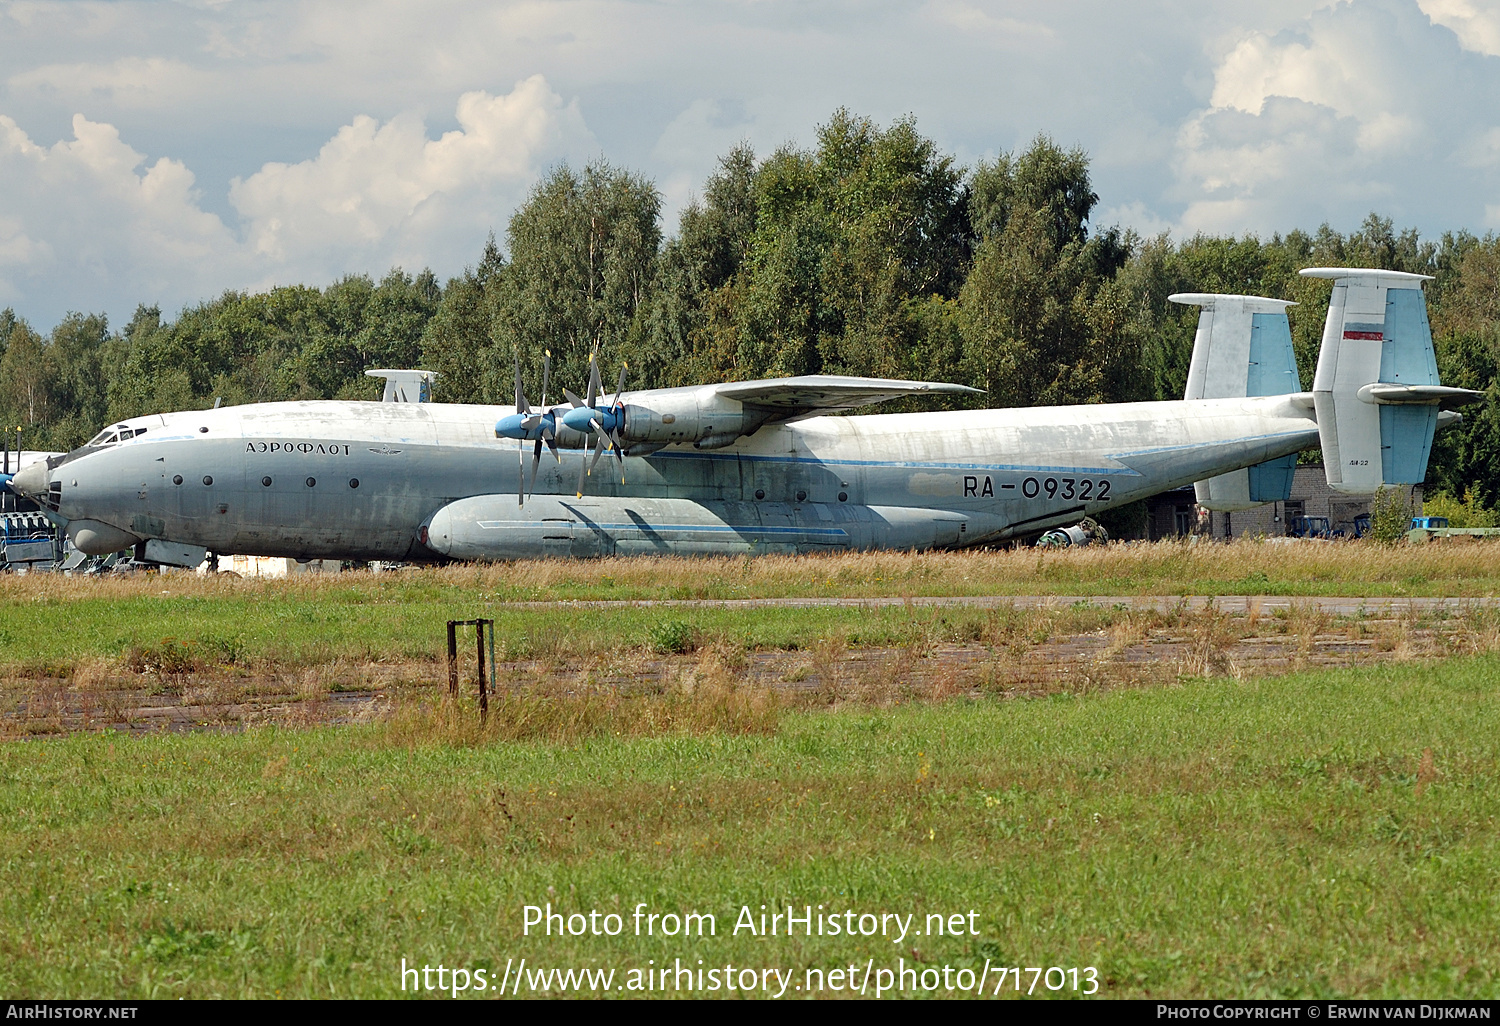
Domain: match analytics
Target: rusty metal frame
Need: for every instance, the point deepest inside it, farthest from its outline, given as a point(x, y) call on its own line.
point(484, 635)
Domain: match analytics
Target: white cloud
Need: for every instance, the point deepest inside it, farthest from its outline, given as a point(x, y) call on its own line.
point(1356, 59)
point(324, 140)
point(388, 192)
point(992, 23)
point(1365, 105)
point(87, 211)
point(131, 82)
point(1475, 22)
point(1146, 222)
point(88, 217)
point(691, 145)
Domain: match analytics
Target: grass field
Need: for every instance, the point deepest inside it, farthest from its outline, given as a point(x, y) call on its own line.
point(46, 620)
point(1319, 834)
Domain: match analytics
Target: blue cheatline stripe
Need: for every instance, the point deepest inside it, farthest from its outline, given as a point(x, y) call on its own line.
point(500, 525)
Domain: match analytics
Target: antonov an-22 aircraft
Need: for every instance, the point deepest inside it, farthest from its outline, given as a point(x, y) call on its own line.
point(759, 466)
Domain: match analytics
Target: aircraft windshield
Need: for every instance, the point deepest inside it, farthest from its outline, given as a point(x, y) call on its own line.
point(118, 433)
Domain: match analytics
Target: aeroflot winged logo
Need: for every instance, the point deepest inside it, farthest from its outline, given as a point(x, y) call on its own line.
point(384, 450)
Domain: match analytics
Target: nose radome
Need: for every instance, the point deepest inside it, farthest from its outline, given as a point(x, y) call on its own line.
point(32, 481)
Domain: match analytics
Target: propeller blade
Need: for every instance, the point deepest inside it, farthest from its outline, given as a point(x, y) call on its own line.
point(593, 376)
point(598, 451)
point(583, 466)
point(572, 399)
point(546, 374)
point(551, 444)
point(620, 385)
point(521, 473)
point(536, 457)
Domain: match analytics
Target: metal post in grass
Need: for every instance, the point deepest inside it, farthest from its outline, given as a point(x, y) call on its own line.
point(453, 658)
point(484, 702)
point(484, 637)
point(491, 624)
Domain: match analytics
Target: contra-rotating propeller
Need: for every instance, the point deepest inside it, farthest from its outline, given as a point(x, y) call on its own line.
point(527, 424)
point(606, 424)
point(601, 426)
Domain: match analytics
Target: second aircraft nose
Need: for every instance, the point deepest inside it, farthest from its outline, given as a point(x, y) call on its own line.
point(32, 481)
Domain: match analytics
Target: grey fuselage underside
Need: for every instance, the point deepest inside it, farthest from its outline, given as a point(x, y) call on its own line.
point(999, 473)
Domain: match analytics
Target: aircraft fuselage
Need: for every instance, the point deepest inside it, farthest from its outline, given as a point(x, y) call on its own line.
point(362, 480)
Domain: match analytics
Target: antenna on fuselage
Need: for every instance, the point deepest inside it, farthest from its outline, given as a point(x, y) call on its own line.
point(401, 385)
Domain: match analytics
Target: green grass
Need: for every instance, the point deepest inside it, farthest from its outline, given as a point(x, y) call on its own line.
point(1283, 836)
point(46, 620)
point(284, 626)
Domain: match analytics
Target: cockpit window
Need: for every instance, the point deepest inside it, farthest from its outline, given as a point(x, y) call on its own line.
point(111, 435)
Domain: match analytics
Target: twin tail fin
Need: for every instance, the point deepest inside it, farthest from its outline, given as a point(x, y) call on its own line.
point(1376, 391)
point(1243, 348)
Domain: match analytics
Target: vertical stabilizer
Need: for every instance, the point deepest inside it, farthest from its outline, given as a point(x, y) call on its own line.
point(1376, 391)
point(1243, 348)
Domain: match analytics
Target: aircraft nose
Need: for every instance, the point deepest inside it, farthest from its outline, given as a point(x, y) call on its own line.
point(32, 481)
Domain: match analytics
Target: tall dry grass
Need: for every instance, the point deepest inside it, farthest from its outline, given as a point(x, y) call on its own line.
point(1162, 568)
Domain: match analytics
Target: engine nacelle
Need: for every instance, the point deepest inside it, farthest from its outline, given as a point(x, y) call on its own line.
point(698, 417)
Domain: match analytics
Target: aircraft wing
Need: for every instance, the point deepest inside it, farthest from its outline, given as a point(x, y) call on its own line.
point(793, 397)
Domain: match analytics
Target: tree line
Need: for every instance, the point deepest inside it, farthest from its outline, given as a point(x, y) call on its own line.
point(871, 252)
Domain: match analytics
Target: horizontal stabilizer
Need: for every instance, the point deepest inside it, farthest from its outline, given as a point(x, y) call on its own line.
point(1444, 397)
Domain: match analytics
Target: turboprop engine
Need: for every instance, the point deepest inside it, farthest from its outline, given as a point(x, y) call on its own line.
point(703, 417)
point(698, 417)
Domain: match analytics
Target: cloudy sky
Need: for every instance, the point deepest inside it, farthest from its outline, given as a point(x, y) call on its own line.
point(163, 152)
